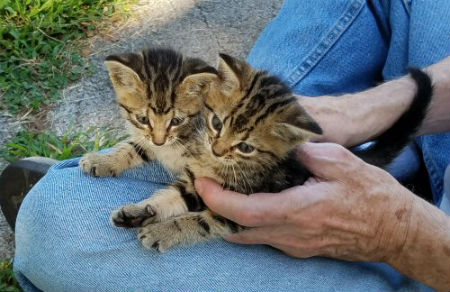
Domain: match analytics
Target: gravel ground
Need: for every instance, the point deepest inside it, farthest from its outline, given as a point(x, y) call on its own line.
point(196, 28)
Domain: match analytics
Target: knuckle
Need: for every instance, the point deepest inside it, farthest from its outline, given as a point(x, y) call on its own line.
point(343, 154)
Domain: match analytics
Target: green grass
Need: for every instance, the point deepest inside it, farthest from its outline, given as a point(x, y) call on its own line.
point(8, 282)
point(40, 48)
point(49, 144)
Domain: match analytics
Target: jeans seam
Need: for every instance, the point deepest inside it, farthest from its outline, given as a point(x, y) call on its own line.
point(326, 43)
point(407, 4)
point(434, 179)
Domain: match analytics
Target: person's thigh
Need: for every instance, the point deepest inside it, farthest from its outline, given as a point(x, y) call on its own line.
point(66, 242)
point(324, 47)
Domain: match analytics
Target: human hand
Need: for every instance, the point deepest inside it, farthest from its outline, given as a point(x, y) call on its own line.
point(349, 210)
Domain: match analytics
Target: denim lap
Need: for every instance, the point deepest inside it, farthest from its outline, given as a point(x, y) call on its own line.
point(66, 242)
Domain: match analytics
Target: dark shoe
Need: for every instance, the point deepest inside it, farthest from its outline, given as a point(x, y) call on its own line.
point(16, 181)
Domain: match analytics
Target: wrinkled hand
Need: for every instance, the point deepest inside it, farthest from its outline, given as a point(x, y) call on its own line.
point(348, 210)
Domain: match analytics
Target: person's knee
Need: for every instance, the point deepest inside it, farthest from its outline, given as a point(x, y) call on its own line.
point(39, 204)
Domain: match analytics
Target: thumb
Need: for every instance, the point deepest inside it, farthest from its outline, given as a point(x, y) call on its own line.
point(248, 210)
point(328, 161)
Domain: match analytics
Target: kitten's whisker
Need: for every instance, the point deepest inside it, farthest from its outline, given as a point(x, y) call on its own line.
point(141, 141)
point(234, 175)
point(245, 178)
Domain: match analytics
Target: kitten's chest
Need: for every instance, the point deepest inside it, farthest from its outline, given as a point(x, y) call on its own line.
point(171, 158)
point(204, 166)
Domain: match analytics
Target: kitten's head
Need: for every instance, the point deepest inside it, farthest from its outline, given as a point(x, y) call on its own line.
point(253, 117)
point(160, 92)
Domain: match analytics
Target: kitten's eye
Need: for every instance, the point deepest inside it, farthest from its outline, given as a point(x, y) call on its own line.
point(216, 123)
point(245, 148)
point(176, 121)
point(142, 119)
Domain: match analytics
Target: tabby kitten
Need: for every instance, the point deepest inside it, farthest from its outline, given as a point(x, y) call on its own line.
point(154, 91)
point(253, 124)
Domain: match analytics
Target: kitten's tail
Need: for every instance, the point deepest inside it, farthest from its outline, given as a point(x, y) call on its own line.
point(389, 144)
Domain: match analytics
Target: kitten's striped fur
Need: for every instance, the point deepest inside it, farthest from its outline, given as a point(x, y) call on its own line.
point(242, 133)
point(153, 92)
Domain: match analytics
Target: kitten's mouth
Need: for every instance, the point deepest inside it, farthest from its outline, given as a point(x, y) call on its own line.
point(173, 142)
point(223, 160)
point(227, 162)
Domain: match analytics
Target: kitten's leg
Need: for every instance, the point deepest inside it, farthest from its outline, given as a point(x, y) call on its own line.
point(175, 200)
point(123, 156)
point(186, 229)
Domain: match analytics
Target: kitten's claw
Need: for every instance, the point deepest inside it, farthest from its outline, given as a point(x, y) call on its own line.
point(133, 216)
point(98, 165)
point(159, 236)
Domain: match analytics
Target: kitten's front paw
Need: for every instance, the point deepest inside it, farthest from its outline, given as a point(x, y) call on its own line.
point(160, 236)
point(98, 165)
point(133, 215)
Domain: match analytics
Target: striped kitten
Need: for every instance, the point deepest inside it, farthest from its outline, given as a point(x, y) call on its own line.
point(253, 122)
point(153, 91)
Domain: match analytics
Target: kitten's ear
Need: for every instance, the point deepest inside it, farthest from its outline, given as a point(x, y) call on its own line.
point(232, 72)
point(195, 65)
point(193, 90)
point(296, 125)
point(196, 84)
point(198, 74)
point(123, 71)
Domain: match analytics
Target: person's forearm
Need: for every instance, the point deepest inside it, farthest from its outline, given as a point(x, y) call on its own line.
point(425, 255)
point(356, 118)
point(438, 117)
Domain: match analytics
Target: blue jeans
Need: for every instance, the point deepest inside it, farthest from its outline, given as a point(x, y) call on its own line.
point(65, 242)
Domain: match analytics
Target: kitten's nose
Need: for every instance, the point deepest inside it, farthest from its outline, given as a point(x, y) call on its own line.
point(217, 154)
point(158, 140)
point(157, 143)
point(218, 149)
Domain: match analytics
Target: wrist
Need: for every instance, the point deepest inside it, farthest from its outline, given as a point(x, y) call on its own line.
point(397, 226)
point(402, 229)
point(438, 119)
point(333, 116)
point(378, 108)
point(423, 254)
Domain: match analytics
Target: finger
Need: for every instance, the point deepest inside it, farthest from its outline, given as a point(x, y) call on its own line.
point(258, 235)
point(327, 160)
point(248, 210)
point(302, 253)
point(271, 236)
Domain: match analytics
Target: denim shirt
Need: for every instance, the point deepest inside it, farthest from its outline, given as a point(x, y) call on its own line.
point(340, 46)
